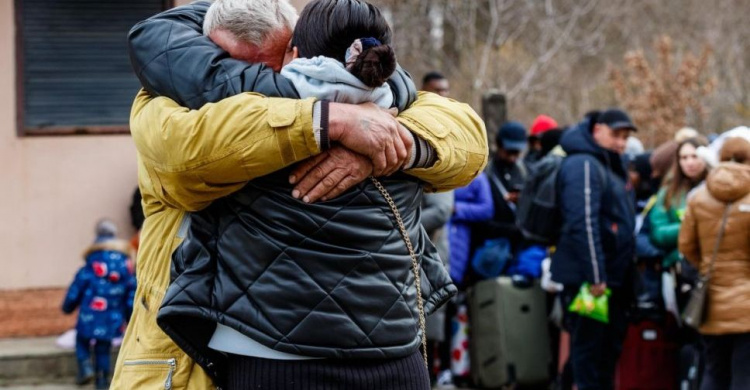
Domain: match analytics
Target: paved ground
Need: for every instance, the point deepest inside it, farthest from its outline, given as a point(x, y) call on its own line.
point(28, 347)
point(28, 354)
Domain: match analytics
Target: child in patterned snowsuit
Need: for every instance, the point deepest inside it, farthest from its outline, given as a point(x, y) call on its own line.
point(104, 289)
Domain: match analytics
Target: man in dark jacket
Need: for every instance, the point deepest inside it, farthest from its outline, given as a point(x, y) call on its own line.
point(597, 240)
point(506, 175)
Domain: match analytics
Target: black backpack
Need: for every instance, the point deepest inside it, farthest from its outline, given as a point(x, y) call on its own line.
point(538, 212)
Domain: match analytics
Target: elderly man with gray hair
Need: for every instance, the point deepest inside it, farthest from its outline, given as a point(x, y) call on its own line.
point(253, 31)
point(200, 139)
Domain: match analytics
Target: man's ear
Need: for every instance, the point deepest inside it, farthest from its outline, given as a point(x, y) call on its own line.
point(295, 53)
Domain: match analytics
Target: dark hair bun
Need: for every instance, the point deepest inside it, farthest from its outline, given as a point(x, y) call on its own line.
point(375, 65)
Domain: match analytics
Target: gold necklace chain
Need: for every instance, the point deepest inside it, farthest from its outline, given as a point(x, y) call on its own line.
point(414, 263)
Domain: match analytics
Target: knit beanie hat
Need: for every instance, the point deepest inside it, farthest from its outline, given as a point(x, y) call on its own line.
point(106, 228)
point(541, 124)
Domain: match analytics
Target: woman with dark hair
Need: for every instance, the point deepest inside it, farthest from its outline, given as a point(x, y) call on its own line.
point(271, 291)
point(340, 51)
point(688, 171)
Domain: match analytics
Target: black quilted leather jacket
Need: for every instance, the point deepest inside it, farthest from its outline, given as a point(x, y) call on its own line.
point(332, 279)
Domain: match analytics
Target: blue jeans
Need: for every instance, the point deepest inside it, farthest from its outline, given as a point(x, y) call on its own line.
point(102, 350)
point(727, 362)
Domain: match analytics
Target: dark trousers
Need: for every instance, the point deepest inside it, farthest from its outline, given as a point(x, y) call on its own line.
point(102, 349)
point(407, 373)
point(727, 362)
point(595, 346)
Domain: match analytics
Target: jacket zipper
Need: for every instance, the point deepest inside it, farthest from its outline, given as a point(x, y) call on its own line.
point(172, 363)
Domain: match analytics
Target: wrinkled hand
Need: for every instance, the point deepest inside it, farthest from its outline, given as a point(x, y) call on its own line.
point(598, 290)
point(329, 174)
point(371, 132)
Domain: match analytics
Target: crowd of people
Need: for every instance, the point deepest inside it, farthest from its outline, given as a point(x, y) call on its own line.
point(334, 226)
point(641, 226)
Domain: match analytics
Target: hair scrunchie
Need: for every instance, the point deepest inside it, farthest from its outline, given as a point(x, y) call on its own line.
point(356, 49)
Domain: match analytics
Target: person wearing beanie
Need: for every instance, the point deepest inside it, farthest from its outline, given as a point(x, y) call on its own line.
point(103, 290)
point(542, 124)
point(539, 126)
point(506, 176)
point(105, 230)
point(723, 204)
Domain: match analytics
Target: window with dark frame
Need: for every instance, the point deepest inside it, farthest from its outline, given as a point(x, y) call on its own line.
point(72, 66)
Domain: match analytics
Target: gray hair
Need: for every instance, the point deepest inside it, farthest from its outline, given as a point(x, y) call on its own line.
point(251, 21)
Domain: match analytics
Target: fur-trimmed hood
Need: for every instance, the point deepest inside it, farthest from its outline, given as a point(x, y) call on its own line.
point(115, 244)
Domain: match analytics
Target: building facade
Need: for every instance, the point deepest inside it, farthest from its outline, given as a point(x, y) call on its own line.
point(66, 157)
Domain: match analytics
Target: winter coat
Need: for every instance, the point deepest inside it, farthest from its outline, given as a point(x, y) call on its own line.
point(346, 254)
point(473, 203)
point(186, 161)
point(503, 221)
point(729, 287)
point(665, 226)
point(597, 242)
point(437, 209)
point(103, 289)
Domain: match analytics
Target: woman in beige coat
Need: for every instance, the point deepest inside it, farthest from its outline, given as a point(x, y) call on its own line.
point(727, 326)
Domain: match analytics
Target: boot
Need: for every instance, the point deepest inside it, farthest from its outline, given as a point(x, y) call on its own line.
point(102, 380)
point(85, 372)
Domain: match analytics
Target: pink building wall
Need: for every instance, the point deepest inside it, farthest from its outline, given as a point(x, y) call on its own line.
point(54, 189)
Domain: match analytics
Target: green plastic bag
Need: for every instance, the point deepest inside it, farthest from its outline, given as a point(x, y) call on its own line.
point(587, 305)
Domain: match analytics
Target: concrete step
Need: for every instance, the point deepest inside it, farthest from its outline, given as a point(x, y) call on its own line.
point(36, 361)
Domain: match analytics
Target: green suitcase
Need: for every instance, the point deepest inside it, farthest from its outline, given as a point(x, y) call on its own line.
point(509, 341)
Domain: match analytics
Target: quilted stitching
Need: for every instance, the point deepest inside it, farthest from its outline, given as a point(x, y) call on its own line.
point(288, 295)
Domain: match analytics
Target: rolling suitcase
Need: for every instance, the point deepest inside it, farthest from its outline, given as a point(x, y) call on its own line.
point(460, 346)
point(649, 356)
point(509, 339)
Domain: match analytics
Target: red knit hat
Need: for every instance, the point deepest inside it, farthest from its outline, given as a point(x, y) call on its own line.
point(541, 124)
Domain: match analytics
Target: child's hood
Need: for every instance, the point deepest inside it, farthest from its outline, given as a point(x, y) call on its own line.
point(115, 245)
point(326, 78)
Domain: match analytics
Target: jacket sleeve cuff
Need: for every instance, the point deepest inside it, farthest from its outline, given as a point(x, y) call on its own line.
point(295, 133)
point(320, 125)
point(423, 155)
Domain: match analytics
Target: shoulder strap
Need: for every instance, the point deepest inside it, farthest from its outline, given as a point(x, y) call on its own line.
point(650, 205)
point(718, 240)
point(414, 262)
point(503, 191)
